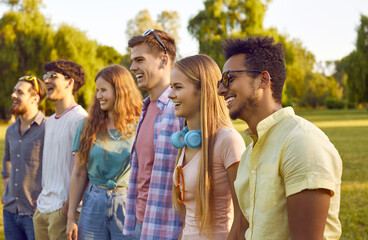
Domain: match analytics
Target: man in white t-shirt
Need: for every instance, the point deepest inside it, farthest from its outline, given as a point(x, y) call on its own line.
point(63, 79)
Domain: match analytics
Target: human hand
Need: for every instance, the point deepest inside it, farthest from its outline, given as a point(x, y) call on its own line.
point(64, 209)
point(71, 230)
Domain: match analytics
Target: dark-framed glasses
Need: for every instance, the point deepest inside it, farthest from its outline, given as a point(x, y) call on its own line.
point(31, 79)
point(51, 76)
point(156, 36)
point(226, 77)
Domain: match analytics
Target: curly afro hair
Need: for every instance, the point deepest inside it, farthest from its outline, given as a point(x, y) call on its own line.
point(69, 69)
point(261, 53)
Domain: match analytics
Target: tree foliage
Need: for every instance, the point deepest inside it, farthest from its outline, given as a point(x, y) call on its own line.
point(226, 18)
point(166, 20)
point(355, 66)
point(25, 43)
point(222, 19)
point(28, 40)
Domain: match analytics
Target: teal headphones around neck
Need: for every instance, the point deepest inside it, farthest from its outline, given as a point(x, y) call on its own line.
point(192, 139)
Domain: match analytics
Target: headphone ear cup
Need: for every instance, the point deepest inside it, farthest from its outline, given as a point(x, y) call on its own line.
point(193, 139)
point(177, 139)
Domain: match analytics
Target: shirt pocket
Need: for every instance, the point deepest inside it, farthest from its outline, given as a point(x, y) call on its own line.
point(267, 187)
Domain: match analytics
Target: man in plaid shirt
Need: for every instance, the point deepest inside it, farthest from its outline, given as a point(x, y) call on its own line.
point(149, 212)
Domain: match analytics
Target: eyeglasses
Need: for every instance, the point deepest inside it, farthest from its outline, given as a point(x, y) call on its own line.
point(156, 36)
point(31, 79)
point(226, 78)
point(179, 175)
point(51, 76)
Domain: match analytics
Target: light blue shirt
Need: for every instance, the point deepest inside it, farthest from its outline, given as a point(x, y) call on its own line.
point(108, 164)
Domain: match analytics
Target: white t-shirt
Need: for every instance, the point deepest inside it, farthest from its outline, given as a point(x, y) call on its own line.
point(58, 159)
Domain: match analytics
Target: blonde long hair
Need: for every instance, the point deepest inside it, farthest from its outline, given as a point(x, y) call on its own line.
point(204, 73)
point(126, 111)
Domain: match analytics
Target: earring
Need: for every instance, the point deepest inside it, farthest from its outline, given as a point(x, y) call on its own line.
point(192, 139)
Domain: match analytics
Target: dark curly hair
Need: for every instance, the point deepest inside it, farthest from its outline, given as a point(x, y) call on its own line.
point(152, 42)
point(69, 69)
point(261, 53)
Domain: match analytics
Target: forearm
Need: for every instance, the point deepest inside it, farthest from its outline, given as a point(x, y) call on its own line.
point(77, 186)
point(5, 181)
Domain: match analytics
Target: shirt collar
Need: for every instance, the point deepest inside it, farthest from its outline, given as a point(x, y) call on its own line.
point(163, 99)
point(267, 123)
point(38, 119)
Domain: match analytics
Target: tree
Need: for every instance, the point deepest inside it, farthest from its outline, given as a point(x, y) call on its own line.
point(25, 43)
point(226, 18)
point(167, 21)
point(355, 66)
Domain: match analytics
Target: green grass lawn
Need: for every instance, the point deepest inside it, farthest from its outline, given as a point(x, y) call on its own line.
point(348, 131)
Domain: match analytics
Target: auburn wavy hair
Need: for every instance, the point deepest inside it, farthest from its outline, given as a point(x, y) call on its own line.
point(204, 73)
point(126, 111)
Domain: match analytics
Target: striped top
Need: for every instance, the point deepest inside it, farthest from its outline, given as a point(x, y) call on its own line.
point(57, 162)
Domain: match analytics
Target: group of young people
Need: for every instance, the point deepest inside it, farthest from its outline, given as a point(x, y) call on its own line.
point(171, 166)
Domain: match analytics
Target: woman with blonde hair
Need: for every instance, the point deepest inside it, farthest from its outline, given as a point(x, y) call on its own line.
point(101, 148)
point(210, 152)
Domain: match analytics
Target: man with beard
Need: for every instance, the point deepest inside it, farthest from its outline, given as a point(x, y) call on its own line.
point(63, 79)
point(22, 162)
point(289, 177)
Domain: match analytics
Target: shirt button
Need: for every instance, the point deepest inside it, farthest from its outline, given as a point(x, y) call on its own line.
point(16, 169)
point(20, 140)
point(16, 184)
point(18, 155)
point(16, 198)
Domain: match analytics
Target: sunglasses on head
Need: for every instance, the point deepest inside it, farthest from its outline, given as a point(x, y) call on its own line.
point(179, 176)
point(51, 76)
point(156, 36)
point(226, 78)
point(31, 79)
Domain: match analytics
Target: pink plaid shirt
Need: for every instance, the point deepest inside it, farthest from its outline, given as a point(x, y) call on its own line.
point(160, 221)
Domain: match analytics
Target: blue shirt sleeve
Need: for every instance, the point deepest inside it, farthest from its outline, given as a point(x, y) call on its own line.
point(78, 133)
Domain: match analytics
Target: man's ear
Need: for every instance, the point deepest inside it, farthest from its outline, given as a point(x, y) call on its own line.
point(71, 82)
point(36, 99)
point(265, 79)
point(164, 60)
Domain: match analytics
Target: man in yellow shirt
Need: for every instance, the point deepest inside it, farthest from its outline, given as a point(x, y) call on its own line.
point(288, 182)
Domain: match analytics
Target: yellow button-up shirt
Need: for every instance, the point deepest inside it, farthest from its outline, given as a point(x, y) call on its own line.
point(289, 156)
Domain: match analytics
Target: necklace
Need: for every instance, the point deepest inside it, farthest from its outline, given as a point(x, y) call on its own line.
point(112, 136)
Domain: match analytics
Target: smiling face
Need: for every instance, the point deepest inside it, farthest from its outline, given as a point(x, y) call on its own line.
point(22, 99)
point(240, 96)
point(58, 86)
point(105, 94)
point(185, 95)
point(146, 66)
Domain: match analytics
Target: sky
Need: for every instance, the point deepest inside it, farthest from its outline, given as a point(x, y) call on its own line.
point(327, 28)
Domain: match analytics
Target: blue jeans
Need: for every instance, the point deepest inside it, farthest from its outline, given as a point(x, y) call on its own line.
point(103, 213)
point(18, 227)
point(137, 231)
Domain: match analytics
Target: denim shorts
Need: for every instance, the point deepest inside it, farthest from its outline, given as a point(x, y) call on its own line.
point(103, 213)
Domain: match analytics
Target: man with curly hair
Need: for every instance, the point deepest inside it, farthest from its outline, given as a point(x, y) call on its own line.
point(63, 79)
point(289, 178)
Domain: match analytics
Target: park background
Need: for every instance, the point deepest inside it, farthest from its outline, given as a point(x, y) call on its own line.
point(326, 59)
